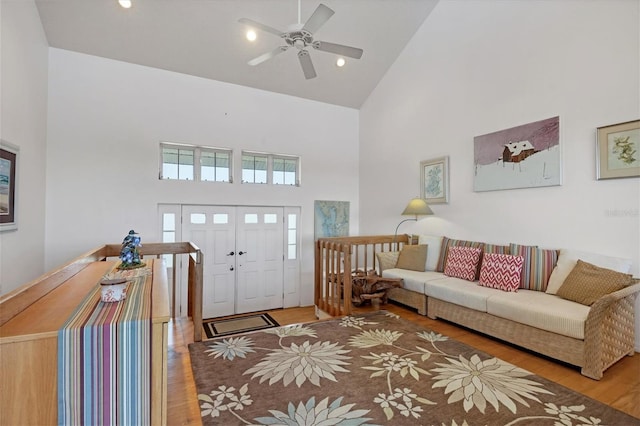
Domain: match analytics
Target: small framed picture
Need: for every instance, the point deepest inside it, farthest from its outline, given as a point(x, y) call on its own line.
point(434, 180)
point(8, 175)
point(618, 150)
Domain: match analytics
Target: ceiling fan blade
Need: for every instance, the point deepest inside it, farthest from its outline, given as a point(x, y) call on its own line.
point(338, 49)
point(318, 18)
point(259, 26)
point(265, 57)
point(307, 66)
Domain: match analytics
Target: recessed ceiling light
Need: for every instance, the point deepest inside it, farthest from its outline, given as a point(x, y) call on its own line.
point(340, 62)
point(251, 35)
point(125, 3)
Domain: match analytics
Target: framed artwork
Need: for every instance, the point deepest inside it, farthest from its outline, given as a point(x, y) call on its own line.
point(526, 156)
point(8, 167)
point(331, 219)
point(434, 180)
point(617, 150)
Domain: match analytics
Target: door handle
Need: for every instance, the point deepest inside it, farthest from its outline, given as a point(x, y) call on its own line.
point(231, 268)
point(231, 253)
point(242, 252)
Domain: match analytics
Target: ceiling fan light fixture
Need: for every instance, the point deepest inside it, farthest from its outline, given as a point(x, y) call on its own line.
point(302, 40)
point(125, 3)
point(251, 35)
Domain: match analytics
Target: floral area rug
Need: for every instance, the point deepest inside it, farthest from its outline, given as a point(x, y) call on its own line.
point(375, 369)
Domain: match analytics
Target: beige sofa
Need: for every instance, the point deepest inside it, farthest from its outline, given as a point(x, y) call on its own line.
point(592, 337)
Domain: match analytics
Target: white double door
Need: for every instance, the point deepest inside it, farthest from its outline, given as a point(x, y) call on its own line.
point(243, 256)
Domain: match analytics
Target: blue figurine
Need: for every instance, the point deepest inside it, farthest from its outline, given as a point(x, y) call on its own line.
point(129, 253)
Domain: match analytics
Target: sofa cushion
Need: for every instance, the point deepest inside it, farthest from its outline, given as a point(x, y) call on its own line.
point(461, 292)
point(538, 265)
point(412, 280)
point(433, 253)
point(501, 271)
point(462, 262)
point(387, 260)
point(541, 310)
point(413, 258)
point(495, 248)
point(587, 283)
point(447, 243)
point(568, 259)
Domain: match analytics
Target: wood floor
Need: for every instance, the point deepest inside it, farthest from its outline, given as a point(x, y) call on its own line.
point(619, 388)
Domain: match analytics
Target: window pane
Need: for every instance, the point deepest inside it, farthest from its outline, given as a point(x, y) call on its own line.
point(168, 237)
point(168, 222)
point(284, 171)
point(222, 160)
point(250, 218)
point(291, 235)
point(207, 159)
point(168, 260)
point(177, 163)
point(270, 218)
point(291, 254)
point(222, 174)
point(261, 176)
point(220, 218)
point(254, 168)
point(169, 171)
point(185, 172)
point(290, 166)
point(170, 155)
point(185, 157)
point(214, 166)
point(289, 178)
point(292, 221)
point(198, 218)
point(207, 173)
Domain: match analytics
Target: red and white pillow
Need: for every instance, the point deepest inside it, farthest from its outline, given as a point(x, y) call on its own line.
point(501, 271)
point(462, 262)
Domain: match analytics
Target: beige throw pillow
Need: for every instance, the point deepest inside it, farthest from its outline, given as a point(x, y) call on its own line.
point(387, 259)
point(587, 283)
point(413, 258)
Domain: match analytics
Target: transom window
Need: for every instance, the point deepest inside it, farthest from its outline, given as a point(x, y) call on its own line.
point(270, 168)
point(208, 164)
point(285, 171)
point(188, 162)
point(254, 168)
point(215, 165)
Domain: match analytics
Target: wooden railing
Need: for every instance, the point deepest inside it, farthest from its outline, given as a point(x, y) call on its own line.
point(18, 300)
point(336, 259)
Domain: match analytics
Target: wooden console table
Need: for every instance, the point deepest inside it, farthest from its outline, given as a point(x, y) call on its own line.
point(29, 340)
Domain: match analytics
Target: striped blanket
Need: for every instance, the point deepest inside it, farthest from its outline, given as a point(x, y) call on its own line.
point(104, 357)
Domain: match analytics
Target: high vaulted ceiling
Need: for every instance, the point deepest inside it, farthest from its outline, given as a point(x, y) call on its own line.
point(203, 38)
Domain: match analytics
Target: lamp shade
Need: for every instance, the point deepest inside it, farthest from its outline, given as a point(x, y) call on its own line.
point(417, 207)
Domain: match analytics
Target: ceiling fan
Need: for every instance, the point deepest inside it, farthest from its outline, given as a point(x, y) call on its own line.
point(301, 37)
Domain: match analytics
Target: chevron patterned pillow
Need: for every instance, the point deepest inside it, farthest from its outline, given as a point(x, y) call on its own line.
point(462, 262)
point(501, 271)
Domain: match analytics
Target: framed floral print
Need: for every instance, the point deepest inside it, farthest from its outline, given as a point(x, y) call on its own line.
point(434, 180)
point(618, 148)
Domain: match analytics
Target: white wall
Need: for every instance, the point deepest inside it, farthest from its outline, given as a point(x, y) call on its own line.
point(23, 119)
point(482, 66)
point(106, 119)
